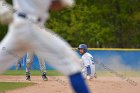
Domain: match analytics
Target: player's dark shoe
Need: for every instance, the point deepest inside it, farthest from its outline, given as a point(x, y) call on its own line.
point(28, 78)
point(44, 77)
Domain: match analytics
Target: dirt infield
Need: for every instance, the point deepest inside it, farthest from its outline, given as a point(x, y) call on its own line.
point(60, 84)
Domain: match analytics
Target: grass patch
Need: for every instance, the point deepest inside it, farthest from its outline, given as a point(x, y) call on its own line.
point(5, 86)
point(33, 72)
point(56, 73)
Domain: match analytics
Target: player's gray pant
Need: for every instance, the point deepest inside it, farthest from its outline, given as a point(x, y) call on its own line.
point(93, 73)
point(19, 65)
point(24, 36)
point(29, 61)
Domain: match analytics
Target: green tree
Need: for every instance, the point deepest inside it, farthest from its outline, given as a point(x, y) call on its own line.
point(98, 23)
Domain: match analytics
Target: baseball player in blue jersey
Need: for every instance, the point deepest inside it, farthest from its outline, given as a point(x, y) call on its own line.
point(88, 64)
point(27, 32)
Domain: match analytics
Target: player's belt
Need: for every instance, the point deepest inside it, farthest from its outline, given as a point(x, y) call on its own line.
point(29, 17)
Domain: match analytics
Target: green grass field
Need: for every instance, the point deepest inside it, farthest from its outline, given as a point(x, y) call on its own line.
point(56, 73)
point(5, 86)
point(33, 73)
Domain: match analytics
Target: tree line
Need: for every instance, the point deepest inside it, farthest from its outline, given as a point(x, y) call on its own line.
point(98, 23)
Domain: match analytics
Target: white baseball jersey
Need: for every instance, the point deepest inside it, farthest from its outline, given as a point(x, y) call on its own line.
point(87, 59)
point(37, 8)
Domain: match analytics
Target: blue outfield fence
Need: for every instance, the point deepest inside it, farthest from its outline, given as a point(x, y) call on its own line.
point(117, 59)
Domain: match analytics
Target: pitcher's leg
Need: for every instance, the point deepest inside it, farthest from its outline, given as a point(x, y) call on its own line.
point(62, 57)
point(58, 53)
point(7, 59)
point(10, 52)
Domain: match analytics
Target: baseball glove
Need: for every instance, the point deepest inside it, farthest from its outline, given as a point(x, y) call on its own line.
point(6, 13)
point(60, 4)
